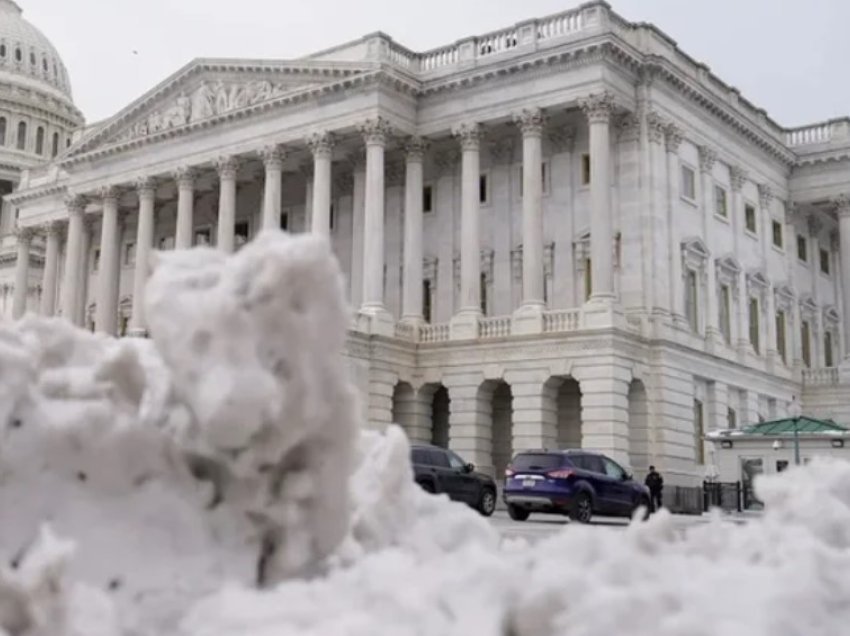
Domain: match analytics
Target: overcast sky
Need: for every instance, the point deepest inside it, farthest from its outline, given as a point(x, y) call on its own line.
point(793, 63)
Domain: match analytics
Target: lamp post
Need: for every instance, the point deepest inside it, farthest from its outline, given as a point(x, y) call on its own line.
point(795, 411)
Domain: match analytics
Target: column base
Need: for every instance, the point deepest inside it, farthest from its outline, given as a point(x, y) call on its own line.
point(375, 320)
point(602, 312)
point(527, 320)
point(464, 325)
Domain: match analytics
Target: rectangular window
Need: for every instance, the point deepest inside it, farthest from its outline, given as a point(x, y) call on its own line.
point(691, 300)
point(827, 349)
point(754, 323)
point(777, 234)
point(689, 183)
point(588, 280)
point(699, 432)
point(725, 313)
point(426, 300)
point(130, 254)
point(483, 293)
point(483, 189)
point(806, 343)
point(802, 248)
point(824, 262)
point(750, 218)
point(585, 169)
point(428, 199)
point(720, 205)
point(780, 336)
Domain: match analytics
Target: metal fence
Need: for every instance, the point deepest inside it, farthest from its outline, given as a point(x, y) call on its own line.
point(694, 500)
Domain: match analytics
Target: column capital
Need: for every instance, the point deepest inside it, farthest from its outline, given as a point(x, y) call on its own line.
point(842, 206)
point(185, 177)
point(227, 167)
point(76, 203)
point(765, 195)
point(530, 121)
point(672, 138)
point(628, 127)
point(273, 156)
point(656, 126)
point(469, 134)
point(51, 228)
point(109, 194)
point(321, 144)
point(415, 147)
point(738, 176)
point(598, 107)
point(375, 131)
point(563, 137)
point(145, 187)
point(23, 233)
point(707, 158)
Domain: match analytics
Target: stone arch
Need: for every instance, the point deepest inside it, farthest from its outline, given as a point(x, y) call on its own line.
point(495, 410)
point(563, 395)
point(639, 430)
point(404, 408)
point(439, 410)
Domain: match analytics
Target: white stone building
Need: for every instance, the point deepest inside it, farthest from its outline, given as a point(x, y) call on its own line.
point(37, 120)
point(565, 232)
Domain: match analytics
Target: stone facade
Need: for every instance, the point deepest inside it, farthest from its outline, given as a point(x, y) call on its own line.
point(563, 233)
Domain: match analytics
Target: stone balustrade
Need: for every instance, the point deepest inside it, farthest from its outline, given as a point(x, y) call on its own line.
point(561, 320)
point(814, 134)
point(496, 327)
point(820, 377)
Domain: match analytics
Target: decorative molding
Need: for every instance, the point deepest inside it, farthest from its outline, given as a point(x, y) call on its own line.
point(469, 134)
point(695, 254)
point(672, 138)
point(656, 126)
point(738, 177)
point(109, 194)
point(707, 159)
point(530, 121)
point(23, 233)
point(842, 205)
point(757, 283)
point(549, 259)
point(375, 132)
point(728, 271)
point(627, 125)
point(581, 250)
point(808, 309)
point(831, 317)
point(486, 265)
point(516, 262)
point(598, 107)
point(145, 187)
point(185, 177)
point(321, 144)
point(784, 299)
point(765, 195)
point(273, 156)
point(227, 167)
point(415, 148)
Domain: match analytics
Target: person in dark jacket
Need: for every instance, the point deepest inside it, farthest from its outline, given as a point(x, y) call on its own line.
point(655, 482)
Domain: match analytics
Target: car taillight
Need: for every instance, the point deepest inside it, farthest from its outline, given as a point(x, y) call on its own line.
point(509, 472)
point(563, 473)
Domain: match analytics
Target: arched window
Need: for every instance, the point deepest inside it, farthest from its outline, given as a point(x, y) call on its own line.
point(55, 144)
point(2, 50)
point(32, 58)
point(22, 135)
point(18, 55)
point(2, 131)
point(39, 141)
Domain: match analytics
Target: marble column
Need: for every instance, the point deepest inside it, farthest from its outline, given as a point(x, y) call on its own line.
point(358, 164)
point(738, 178)
point(529, 316)
point(185, 178)
point(106, 317)
point(22, 271)
point(672, 141)
point(842, 205)
point(375, 133)
point(227, 168)
point(273, 157)
point(144, 246)
point(815, 226)
point(599, 108)
point(49, 281)
point(707, 158)
point(321, 144)
point(412, 284)
point(70, 296)
point(765, 199)
point(84, 273)
point(464, 324)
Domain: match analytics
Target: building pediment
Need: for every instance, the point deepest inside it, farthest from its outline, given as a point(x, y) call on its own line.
point(206, 91)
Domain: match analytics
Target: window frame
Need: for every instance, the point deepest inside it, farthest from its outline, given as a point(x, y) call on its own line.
point(806, 343)
point(692, 299)
point(828, 352)
point(428, 196)
point(777, 230)
point(824, 258)
point(484, 193)
point(585, 172)
point(686, 169)
point(781, 338)
point(725, 312)
point(724, 214)
point(753, 323)
point(802, 248)
point(750, 211)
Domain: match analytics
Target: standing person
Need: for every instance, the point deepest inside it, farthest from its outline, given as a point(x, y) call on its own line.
point(655, 482)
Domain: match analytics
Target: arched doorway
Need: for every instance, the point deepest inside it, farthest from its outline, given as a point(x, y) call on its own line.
point(440, 409)
point(423, 414)
point(496, 407)
point(565, 394)
point(404, 408)
point(639, 443)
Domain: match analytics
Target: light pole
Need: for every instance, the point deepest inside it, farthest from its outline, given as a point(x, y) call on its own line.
point(795, 411)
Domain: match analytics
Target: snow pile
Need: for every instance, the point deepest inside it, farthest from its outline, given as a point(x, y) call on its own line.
point(211, 482)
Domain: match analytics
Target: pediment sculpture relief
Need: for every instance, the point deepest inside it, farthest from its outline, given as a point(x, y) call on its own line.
point(207, 100)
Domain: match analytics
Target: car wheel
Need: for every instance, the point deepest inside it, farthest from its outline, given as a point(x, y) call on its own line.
point(427, 486)
point(643, 502)
point(487, 503)
point(517, 514)
point(583, 509)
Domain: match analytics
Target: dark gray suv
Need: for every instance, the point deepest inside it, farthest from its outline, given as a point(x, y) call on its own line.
point(439, 470)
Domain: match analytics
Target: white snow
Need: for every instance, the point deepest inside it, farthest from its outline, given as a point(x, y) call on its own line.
point(212, 481)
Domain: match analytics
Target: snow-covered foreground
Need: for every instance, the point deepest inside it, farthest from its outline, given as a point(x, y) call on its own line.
point(213, 482)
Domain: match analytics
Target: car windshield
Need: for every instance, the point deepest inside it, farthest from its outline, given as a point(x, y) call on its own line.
point(537, 461)
point(455, 461)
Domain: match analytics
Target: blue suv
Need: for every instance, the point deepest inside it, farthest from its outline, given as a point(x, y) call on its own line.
point(576, 483)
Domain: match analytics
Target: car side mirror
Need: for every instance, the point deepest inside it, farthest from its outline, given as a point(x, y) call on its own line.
point(469, 468)
point(627, 477)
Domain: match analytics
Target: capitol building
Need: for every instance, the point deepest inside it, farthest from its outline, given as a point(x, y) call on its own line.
point(564, 233)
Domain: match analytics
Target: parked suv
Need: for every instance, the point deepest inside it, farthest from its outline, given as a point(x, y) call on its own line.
point(438, 470)
point(571, 482)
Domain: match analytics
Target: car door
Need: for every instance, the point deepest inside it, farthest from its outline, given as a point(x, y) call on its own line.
point(448, 479)
point(468, 484)
point(598, 478)
point(619, 489)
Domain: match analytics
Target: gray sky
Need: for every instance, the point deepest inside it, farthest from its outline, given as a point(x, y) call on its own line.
point(780, 59)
